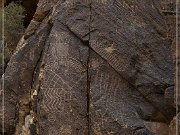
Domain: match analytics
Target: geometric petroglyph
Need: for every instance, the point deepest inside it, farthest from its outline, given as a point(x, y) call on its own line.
point(109, 100)
point(57, 88)
point(56, 100)
point(72, 63)
point(54, 79)
point(52, 117)
point(68, 63)
point(66, 130)
point(61, 50)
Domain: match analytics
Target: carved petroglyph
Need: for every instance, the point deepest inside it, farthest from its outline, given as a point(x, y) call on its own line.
point(66, 129)
point(63, 87)
point(55, 95)
point(110, 49)
point(109, 101)
point(58, 91)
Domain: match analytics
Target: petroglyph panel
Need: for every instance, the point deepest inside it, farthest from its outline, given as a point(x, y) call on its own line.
point(105, 67)
point(63, 90)
point(112, 108)
point(136, 48)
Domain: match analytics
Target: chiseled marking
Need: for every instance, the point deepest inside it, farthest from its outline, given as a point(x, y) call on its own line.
point(110, 49)
point(66, 129)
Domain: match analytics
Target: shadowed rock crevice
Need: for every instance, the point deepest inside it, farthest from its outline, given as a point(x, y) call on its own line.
point(88, 90)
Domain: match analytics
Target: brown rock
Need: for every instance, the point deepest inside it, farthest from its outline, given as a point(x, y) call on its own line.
point(174, 128)
point(100, 67)
point(158, 128)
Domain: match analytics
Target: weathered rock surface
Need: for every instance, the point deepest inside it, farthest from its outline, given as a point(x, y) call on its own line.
point(175, 126)
point(100, 67)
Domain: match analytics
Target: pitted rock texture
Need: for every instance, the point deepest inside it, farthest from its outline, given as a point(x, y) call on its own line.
point(99, 67)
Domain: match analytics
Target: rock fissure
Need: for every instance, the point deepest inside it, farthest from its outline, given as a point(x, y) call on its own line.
point(25, 104)
point(36, 84)
point(88, 95)
point(36, 68)
point(88, 75)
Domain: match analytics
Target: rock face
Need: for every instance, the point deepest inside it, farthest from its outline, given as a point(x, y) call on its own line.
point(100, 67)
point(174, 129)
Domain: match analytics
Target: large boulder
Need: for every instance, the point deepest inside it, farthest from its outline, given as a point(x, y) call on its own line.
point(100, 67)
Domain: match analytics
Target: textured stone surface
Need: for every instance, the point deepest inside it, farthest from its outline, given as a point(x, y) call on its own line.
point(100, 67)
point(157, 128)
point(175, 126)
point(19, 77)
